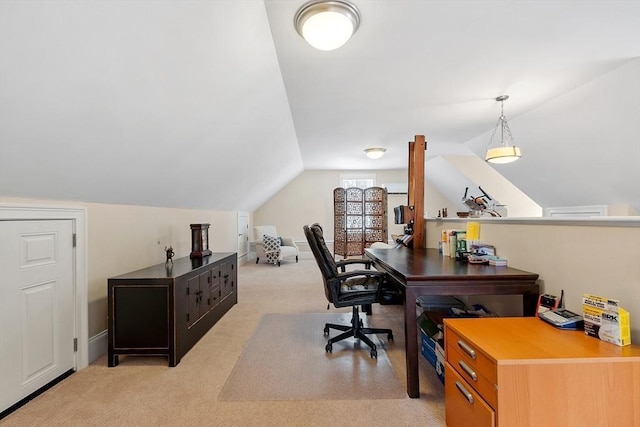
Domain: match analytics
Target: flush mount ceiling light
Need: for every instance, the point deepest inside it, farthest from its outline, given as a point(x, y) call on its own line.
point(327, 25)
point(375, 153)
point(506, 152)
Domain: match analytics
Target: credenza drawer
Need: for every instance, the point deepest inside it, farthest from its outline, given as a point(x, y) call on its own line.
point(463, 404)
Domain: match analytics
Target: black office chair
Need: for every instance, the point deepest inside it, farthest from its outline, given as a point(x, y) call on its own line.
point(347, 288)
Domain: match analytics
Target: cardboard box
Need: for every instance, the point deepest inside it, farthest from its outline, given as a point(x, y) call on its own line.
point(431, 325)
point(605, 320)
point(432, 340)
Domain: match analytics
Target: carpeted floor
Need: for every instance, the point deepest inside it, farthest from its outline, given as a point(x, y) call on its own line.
point(282, 361)
point(144, 391)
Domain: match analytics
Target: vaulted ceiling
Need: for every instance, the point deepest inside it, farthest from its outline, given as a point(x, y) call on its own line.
point(219, 104)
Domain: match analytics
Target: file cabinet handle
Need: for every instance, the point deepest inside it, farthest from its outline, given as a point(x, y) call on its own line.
point(467, 349)
point(464, 392)
point(467, 370)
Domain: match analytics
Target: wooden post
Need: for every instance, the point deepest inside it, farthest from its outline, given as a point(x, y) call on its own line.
point(415, 193)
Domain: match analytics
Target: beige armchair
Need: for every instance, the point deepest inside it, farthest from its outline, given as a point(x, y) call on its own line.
point(273, 248)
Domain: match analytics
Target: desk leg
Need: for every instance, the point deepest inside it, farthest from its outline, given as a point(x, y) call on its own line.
point(530, 301)
point(411, 342)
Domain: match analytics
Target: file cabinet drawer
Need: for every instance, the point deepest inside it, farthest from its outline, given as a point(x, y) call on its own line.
point(474, 374)
point(463, 403)
point(471, 355)
point(525, 353)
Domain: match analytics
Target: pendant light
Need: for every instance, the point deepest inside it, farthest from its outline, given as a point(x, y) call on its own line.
point(327, 25)
point(506, 152)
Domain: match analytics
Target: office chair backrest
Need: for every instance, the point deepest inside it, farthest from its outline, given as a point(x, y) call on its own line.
point(323, 257)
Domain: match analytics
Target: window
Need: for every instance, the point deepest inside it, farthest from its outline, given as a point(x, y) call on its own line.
point(357, 180)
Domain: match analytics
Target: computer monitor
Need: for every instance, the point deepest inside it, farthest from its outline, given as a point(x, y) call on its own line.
point(403, 214)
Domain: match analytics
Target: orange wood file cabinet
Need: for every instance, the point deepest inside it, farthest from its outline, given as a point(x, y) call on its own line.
point(521, 372)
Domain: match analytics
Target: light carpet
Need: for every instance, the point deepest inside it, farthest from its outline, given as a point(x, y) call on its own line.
point(285, 359)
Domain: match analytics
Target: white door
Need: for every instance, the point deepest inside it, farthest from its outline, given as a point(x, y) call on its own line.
point(243, 233)
point(37, 314)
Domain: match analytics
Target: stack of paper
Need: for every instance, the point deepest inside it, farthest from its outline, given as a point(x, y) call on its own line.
point(497, 261)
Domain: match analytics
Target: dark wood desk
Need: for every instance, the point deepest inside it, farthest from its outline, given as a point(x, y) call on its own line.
point(426, 272)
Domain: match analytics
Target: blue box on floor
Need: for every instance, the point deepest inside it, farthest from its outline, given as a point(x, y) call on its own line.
point(433, 351)
point(432, 344)
point(432, 334)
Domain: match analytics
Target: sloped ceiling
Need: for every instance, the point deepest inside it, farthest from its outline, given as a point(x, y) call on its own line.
point(161, 103)
point(219, 104)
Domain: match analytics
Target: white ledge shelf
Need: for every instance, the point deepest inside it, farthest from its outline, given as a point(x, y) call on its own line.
point(607, 221)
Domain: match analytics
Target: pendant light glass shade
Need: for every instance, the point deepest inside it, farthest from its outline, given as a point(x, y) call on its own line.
point(506, 152)
point(327, 25)
point(375, 153)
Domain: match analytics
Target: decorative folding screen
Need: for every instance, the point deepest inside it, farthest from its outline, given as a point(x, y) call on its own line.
point(360, 218)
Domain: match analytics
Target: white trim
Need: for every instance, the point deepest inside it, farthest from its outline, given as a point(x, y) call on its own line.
point(576, 211)
point(15, 212)
point(98, 345)
point(607, 221)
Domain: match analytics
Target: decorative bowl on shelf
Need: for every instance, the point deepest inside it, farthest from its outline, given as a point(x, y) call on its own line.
point(462, 214)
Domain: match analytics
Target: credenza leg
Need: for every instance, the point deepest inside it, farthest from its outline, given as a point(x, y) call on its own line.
point(112, 360)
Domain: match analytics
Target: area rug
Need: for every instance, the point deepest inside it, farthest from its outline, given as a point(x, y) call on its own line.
point(286, 360)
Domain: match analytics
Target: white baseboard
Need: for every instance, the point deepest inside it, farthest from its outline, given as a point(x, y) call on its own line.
point(305, 255)
point(98, 345)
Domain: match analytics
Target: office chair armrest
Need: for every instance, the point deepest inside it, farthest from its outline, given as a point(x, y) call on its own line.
point(354, 273)
point(344, 262)
point(381, 276)
point(341, 277)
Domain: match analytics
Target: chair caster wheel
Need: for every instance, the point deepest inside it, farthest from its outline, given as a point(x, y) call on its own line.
point(390, 337)
point(326, 330)
point(374, 354)
point(328, 348)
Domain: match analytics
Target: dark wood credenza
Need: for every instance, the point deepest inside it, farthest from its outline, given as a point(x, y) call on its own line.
point(164, 310)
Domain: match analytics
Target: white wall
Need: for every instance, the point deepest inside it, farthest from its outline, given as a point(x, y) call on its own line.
point(309, 198)
point(516, 202)
point(581, 148)
point(601, 260)
point(125, 238)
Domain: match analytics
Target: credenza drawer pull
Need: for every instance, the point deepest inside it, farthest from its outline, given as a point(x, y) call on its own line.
point(464, 392)
point(467, 370)
point(467, 349)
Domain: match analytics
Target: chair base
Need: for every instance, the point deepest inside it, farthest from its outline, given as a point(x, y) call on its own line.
point(356, 331)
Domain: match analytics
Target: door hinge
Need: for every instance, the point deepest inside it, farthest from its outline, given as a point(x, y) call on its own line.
point(75, 344)
point(74, 240)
